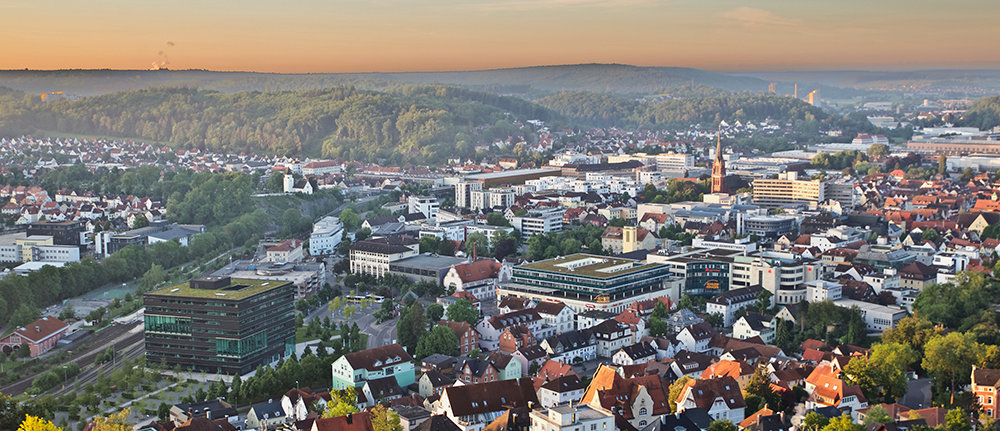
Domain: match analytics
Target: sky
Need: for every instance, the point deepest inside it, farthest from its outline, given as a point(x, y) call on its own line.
point(311, 36)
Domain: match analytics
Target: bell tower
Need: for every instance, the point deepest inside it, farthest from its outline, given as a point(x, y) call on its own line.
point(719, 168)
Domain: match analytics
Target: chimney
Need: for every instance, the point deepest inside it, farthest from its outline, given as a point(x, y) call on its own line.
point(349, 418)
point(38, 328)
point(208, 413)
point(473, 252)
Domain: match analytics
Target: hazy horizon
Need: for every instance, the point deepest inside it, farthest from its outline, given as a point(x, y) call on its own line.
point(390, 36)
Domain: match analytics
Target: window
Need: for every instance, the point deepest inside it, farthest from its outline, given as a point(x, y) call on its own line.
point(642, 412)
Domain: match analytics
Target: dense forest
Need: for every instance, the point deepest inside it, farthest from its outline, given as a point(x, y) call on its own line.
point(711, 108)
point(408, 124)
point(984, 114)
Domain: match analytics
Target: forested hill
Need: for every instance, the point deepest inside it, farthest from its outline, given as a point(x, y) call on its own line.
point(526, 81)
point(984, 114)
point(606, 109)
point(411, 124)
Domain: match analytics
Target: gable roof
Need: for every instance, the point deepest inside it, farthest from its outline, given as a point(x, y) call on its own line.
point(705, 392)
point(479, 270)
point(42, 329)
point(353, 422)
point(490, 396)
point(382, 355)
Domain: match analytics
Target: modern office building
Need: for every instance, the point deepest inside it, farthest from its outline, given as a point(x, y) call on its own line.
point(590, 282)
point(674, 162)
point(373, 256)
point(766, 226)
point(787, 189)
point(538, 221)
point(62, 233)
point(426, 205)
point(326, 236)
point(220, 324)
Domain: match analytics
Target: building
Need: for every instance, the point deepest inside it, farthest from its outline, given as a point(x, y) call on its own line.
point(641, 401)
point(426, 205)
point(40, 336)
point(538, 221)
point(307, 277)
point(753, 324)
point(674, 162)
point(373, 256)
point(985, 384)
point(220, 324)
point(719, 168)
point(787, 189)
point(266, 415)
point(589, 282)
point(767, 226)
point(514, 176)
point(289, 250)
point(877, 317)
point(491, 198)
point(479, 278)
point(474, 406)
point(572, 418)
point(463, 192)
point(627, 239)
point(425, 267)
point(720, 397)
point(62, 233)
point(326, 236)
point(728, 303)
point(355, 369)
point(107, 243)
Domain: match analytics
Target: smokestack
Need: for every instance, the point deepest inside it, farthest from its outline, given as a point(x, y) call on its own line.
point(474, 252)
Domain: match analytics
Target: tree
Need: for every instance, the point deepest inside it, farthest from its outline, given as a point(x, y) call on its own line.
point(463, 311)
point(434, 313)
point(477, 243)
point(760, 386)
point(411, 326)
point(942, 164)
point(723, 425)
point(957, 420)
point(657, 326)
point(10, 412)
point(384, 419)
point(33, 423)
point(878, 150)
point(882, 375)
point(343, 403)
point(843, 423)
point(24, 315)
point(350, 219)
point(139, 221)
point(496, 218)
point(335, 305)
point(362, 234)
point(113, 422)
point(814, 422)
point(912, 331)
point(441, 340)
point(675, 391)
point(950, 358)
point(660, 310)
point(877, 415)
point(930, 235)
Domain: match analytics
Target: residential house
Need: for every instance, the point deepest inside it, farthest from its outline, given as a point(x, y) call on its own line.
point(611, 335)
point(728, 303)
point(474, 406)
point(561, 390)
point(571, 347)
point(556, 315)
point(696, 337)
point(266, 415)
point(478, 278)
point(720, 397)
point(641, 401)
point(985, 384)
point(638, 353)
point(468, 337)
point(753, 324)
point(433, 382)
point(354, 369)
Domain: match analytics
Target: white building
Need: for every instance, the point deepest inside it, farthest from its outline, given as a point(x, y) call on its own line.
point(426, 205)
point(538, 221)
point(729, 302)
point(572, 418)
point(463, 192)
point(326, 236)
point(674, 162)
point(877, 317)
point(822, 290)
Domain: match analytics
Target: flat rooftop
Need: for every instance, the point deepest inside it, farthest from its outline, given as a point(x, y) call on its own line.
point(429, 261)
point(252, 287)
point(590, 265)
point(512, 173)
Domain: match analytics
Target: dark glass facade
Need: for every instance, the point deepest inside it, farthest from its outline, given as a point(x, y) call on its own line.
point(706, 278)
point(219, 330)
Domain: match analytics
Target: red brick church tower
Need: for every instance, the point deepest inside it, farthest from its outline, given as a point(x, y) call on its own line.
point(719, 168)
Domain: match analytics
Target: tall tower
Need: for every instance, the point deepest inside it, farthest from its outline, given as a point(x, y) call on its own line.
point(795, 92)
point(719, 168)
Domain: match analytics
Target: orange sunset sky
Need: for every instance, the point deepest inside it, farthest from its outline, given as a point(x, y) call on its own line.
point(429, 35)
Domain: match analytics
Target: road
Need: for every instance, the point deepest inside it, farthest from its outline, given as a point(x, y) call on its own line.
point(123, 337)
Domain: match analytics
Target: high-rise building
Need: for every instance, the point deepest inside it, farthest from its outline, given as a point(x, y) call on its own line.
point(220, 324)
point(719, 169)
point(463, 192)
point(787, 189)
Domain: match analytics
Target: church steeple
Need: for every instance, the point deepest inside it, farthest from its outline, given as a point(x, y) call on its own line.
point(719, 167)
